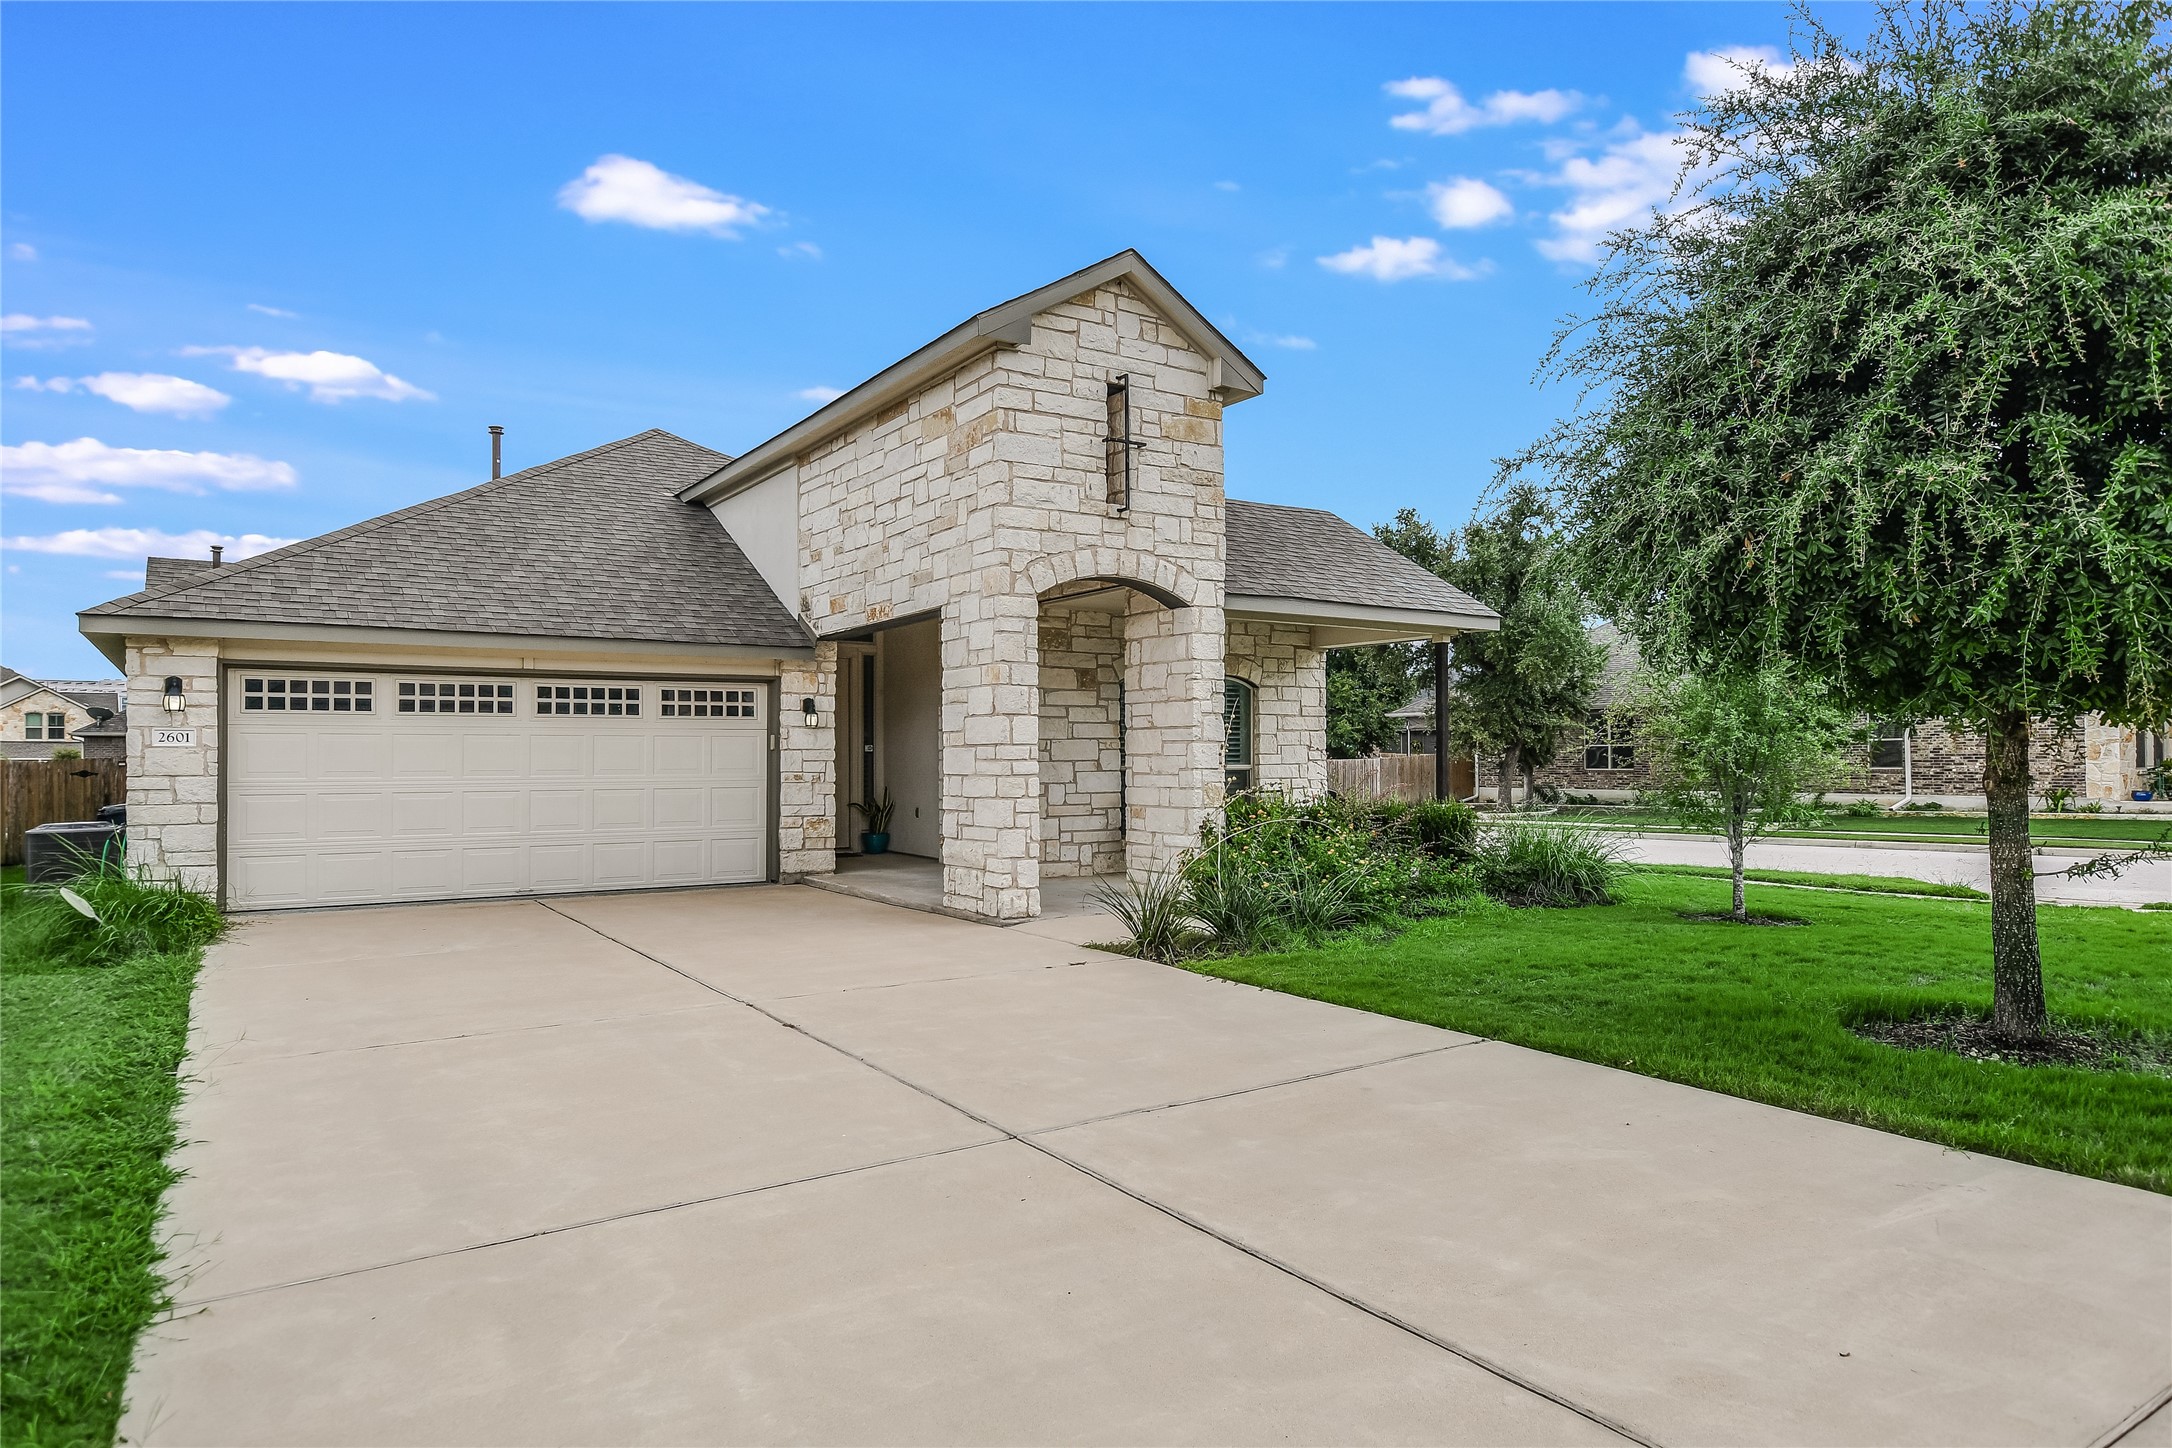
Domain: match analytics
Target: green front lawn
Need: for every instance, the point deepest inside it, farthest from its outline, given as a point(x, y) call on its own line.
point(1761, 1011)
point(88, 1061)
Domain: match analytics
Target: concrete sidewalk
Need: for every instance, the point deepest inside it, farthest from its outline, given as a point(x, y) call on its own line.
point(774, 1165)
point(2140, 884)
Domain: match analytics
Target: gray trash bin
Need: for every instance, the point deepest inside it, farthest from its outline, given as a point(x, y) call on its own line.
point(55, 854)
point(114, 814)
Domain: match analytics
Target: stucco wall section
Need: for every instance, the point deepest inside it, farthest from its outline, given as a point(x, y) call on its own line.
point(1082, 674)
point(1289, 677)
point(173, 791)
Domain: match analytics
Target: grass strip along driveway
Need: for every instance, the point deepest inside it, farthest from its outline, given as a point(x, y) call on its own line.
point(1763, 1012)
point(91, 1043)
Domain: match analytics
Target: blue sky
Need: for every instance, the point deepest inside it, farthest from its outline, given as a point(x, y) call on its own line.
point(269, 270)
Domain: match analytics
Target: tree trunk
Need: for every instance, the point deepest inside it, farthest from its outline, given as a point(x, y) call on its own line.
point(1503, 788)
point(1737, 828)
point(1530, 787)
point(2017, 971)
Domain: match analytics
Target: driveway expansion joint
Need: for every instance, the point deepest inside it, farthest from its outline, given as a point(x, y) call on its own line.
point(1476, 1359)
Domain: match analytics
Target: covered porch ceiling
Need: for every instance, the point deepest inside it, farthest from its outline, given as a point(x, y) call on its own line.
point(1350, 625)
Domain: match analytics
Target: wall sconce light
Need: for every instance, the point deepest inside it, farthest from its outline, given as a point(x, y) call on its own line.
point(807, 707)
point(174, 702)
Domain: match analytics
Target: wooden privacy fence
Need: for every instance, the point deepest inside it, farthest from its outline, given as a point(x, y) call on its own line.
point(1395, 776)
point(46, 791)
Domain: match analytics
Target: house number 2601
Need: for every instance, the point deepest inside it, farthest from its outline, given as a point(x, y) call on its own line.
point(166, 738)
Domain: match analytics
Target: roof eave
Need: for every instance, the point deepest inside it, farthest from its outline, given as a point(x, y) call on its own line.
point(1347, 625)
point(1232, 377)
point(109, 633)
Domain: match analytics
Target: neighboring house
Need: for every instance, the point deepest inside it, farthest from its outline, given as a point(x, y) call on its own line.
point(998, 583)
point(1927, 762)
point(38, 716)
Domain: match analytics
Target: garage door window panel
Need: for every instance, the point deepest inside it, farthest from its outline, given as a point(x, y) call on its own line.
point(614, 701)
point(287, 695)
point(454, 696)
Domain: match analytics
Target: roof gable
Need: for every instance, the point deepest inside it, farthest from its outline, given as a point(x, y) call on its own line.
point(590, 546)
point(1231, 375)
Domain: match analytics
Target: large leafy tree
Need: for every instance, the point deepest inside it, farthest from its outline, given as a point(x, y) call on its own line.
point(1887, 392)
point(1363, 684)
point(1522, 693)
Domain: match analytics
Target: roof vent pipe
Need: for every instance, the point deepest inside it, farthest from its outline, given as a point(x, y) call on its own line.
point(218, 554)
point(497, 446)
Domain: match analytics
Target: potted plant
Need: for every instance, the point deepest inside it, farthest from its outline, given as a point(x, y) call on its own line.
point(875, 839)
point(2157, 783)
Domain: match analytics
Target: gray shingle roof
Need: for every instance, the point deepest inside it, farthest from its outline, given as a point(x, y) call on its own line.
point(160, 574)
point(591, 546)
point(1283, 552)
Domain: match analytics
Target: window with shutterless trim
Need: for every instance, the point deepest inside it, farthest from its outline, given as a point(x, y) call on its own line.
point(1239, 715)
point(263, 694)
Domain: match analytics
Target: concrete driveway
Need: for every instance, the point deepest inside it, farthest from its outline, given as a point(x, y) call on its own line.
point(775, 1165)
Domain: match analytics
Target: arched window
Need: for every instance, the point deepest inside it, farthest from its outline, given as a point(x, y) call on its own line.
point(1239, 724)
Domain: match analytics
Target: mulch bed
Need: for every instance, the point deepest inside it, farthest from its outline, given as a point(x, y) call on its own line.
point(1977, 1041)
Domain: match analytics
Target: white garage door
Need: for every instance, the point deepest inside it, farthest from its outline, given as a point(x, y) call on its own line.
point(348, 788)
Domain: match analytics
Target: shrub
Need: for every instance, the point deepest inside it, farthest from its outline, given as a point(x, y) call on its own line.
point(1548, 864)
point(66, 751)
point(1234, 903)
point(1862, 809)
point(1444, 828)
point(1153, 911)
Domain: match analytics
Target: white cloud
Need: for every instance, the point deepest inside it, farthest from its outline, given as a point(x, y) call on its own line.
point(1227, 186)
point(329, 376)
point(1446, 113)
point(1291, 343)
point(620, 188)
point(1466, 202)
point(1708, 72)
point(143, 391)
point(145, 543)
point(1620, 187)
point(24, 322)
point(22, 251)
point(819, 394)
point(272, 311)
point(1275, 258)
point(23, 330)
point(806, 249)
point(1385, 259)
point(82, 471)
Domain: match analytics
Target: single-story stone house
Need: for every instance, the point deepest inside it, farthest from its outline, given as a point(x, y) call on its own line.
point(1929, 761)
point(998, 584)
point(38, 716)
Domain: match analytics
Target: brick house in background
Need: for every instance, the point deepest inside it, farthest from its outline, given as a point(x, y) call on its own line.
point(1929, 761)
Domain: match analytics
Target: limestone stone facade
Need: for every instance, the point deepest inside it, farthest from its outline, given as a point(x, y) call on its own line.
point(1289, 680)
point(173, 790)
point(979, 496)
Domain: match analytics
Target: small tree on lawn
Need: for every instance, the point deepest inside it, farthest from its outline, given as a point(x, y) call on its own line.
point(1890, 396)
point(1522, 693)
point(1735, 753)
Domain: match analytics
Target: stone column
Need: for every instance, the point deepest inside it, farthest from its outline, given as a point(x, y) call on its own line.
point(991, 737)
point(807, 766)
point(1173, 735)
point(173, 790)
